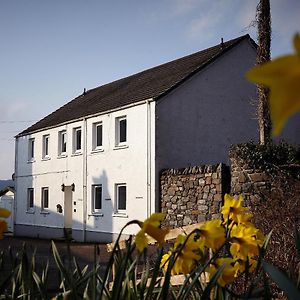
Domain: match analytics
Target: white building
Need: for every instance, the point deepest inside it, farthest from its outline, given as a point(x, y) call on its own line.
point(93, 165)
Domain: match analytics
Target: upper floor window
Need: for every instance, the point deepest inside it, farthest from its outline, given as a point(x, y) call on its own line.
point(97, 197)
point(46, 139)
point(121, 131)
point(77, 140)
point(62, 142)
point(97, 136)
point(121, 198)
point(31, 149)
point(30, 199)
point(45, 198)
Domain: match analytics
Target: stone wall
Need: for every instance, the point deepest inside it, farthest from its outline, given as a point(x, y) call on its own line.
point(257, 185)
point(193, 194)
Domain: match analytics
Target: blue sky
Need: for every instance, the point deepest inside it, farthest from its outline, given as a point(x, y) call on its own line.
point(52, 50)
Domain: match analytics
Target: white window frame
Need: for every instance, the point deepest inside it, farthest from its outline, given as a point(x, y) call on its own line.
point(95, 139)
point(120, 143)
point(30, 198)
point(117, 209)
point(62, 139)
point(75, 142)
point(31, 146)
point(46, 146)
point(94, 209)
point(43, 208)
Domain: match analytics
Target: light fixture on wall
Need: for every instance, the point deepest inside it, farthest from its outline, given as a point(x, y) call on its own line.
point(73, 187)
point(63, 187)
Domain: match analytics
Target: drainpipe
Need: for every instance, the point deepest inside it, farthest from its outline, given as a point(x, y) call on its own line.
point(84, 177)
point(15, 185)
point(148, 158)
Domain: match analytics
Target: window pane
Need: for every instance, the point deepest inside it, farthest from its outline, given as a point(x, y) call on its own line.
point(123, 126)
point(32, 148)
point(78, 139)
point(98, 135)
point(63, 142)
point(30, 198)
point(45, 198)
point(122, 197)
point(97, 197)
point(46, 145)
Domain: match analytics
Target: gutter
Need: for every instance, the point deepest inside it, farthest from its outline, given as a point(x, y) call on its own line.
point(15, 185)
point(148, 158)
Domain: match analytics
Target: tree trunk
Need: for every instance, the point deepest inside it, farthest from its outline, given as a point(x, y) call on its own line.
point(263, 17)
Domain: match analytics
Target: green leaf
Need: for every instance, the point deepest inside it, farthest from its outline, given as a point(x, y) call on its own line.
point(282, 281)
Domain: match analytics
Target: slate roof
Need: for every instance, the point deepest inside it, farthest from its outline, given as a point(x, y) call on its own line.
point(149, 84)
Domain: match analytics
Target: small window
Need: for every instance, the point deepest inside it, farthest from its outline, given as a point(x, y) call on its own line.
point(97, 136)
point(97, 197)
point(77, 140)
point(46, 139)
point(62, 142)
point(45, 198)
point(121, 197)
point(30, 199)
point(121, 131)
point(31, 149)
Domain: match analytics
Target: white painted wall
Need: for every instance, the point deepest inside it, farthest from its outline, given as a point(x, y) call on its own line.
point(108, 167)
point(199, 120)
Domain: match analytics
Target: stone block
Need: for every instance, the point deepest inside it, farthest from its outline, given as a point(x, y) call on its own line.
point(217, 197)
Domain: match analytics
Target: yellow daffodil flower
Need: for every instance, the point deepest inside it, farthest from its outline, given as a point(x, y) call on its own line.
point(233, 210)
point(282, 76)
point(4, 213)
point(185, 258)
point(151, 227)
point(228, 274)
point(245, 241)
point(212, 234)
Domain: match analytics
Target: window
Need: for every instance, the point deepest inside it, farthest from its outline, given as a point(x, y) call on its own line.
point(30, 199)
point(46, 139)
point(121, 197)
point(97, 136)
point(45, 198)
point(31, 149)
point(121, 131)
point(97, 197)
point(62, 142)
point(76, 140)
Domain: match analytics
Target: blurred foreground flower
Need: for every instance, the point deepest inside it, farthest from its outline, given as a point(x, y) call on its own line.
point(4, 213)
point(151, 227)
point(282, 76)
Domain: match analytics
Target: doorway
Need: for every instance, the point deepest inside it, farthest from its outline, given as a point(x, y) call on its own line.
point(68, 195)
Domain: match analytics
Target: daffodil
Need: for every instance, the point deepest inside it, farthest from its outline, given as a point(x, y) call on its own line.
point(212, 234)
point(229, 272)
point(233, 211)
point(245, 241)
point(151, 227)
point(282, 76)
point(186, 253)
point(4, 213)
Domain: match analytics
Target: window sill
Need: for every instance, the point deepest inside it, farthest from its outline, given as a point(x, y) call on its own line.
point(62, 156)
point(76, 153)
point(30, 161)
point(30, 212)
point(118, 147)
point(44, 212)
point(95, 151)
point(96, 214)
point(120, 215)
point(46, 158)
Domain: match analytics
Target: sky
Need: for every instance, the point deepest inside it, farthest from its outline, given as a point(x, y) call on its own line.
point(51, 50)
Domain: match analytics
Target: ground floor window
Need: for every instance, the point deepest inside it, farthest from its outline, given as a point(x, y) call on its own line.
point(97, 197)
point(121, 197)
point(45, 198)
point(30, 199)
